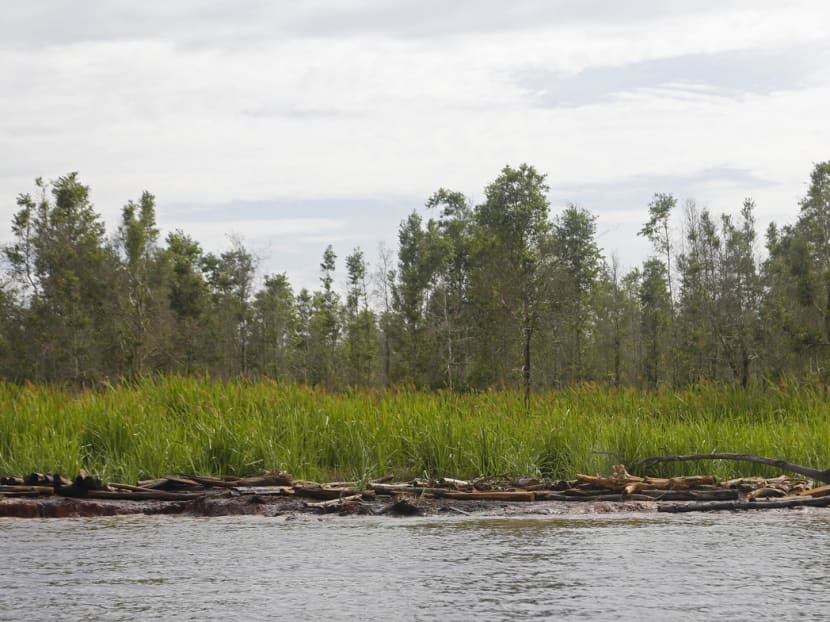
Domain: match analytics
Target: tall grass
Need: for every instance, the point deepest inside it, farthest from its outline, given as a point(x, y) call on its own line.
point(173, 424)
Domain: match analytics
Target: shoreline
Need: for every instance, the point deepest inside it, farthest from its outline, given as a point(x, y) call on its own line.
point(289, 508)
point(277, 493)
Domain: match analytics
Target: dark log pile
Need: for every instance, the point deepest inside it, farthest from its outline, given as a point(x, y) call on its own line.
point(686, 493)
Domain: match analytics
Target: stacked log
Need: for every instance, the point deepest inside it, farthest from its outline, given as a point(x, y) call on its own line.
point(702, 492)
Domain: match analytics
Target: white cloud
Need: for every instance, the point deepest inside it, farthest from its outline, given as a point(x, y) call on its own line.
point(225, 103)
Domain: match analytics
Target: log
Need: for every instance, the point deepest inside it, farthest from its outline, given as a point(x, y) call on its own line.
point(274, 478)
point(266, 491)
point(26, 490)
point(821, 476)
point(150, 495)
point(169, 483)
point(821, 491)
point(212, 482)
point(455, 484)
point(392, 489)
point(332, 504)
point(128, 487)
point(746, 505)
point(691, 495)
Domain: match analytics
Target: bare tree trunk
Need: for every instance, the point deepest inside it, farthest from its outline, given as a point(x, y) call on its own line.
point(527, 333)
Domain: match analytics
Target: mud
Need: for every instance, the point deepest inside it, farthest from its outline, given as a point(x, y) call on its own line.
point(226, 505)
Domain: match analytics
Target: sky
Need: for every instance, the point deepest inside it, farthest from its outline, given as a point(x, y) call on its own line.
point(293, 125)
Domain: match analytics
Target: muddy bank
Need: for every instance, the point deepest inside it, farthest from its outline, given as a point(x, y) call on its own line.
point(225, 505)
point(278, 494)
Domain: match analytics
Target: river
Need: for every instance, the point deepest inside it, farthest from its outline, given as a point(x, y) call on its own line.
point(752, 566)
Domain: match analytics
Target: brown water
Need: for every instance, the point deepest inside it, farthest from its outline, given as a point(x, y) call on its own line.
point(759, 566)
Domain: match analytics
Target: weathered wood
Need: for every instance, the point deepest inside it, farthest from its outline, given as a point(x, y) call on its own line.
point(766, 493)
point(211, 482)
point(690, 495)
point(789, 502)
point(26, 490)
point(274, 478)
point(150, 495)
point(266, 491)
point(821, 476)
point(391, 489)
point(821, 491)
point(128, 487)
point(454, 484)
point(169, 483)
point(332, 503)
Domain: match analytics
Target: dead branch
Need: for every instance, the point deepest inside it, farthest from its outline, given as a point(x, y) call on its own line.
point(821, 476)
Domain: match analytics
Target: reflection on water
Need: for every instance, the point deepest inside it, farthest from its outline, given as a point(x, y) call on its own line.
point(766, 566)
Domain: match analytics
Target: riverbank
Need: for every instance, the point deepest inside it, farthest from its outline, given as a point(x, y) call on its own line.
point(277, 494)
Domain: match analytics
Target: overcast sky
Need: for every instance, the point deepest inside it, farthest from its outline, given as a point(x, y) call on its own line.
point(298, 124)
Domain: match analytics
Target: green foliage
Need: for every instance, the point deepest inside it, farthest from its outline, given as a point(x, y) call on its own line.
point(170, 424)
point(475, 295)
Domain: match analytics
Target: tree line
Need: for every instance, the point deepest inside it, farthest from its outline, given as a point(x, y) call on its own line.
point(491, 295)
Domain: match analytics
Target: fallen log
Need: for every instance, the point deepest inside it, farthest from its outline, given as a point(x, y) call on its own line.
point(150, 495)
point(392, 489)
point(324, 493)
point(211, 482)
point(821, 476)
point(274, 478)
point(746, 505)
point(169, 484)
point(265, 491)
point(690, 495)
point(332, 504)
point(821, 491)
point(20, 490)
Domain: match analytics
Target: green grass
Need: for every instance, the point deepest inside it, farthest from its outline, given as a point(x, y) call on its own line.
point(171, 424)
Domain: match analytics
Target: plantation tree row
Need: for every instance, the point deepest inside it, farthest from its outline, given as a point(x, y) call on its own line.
point(499, 294)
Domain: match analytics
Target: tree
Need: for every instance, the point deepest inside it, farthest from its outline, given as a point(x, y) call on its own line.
point(577, 256)
point(814, 225)
point(450, 243)
point(275, 326)
point(655, 311)
point(324, 324)
point(60, 259)
point(512, 230)
point(410, 294)
point(658, 231)
point(230, 278)
point(141, 288)
point(189, 301)
point(360, 321)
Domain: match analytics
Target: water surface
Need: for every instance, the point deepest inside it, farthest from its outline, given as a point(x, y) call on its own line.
point(754, 566)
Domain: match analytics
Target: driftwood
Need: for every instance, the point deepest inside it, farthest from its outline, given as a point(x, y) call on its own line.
point(821, 476)
point(169, 484)
point(150, 495)
point(274, 478)
point(747, 505)
point(332, 504)
point(19, 490)
point(821, 491)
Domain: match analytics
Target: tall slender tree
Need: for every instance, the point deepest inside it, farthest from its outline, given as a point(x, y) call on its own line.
point(512, 228)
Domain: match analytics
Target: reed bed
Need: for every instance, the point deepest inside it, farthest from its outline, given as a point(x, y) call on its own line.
point(170, 424)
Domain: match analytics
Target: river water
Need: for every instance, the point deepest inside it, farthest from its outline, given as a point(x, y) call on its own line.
point(752, 566)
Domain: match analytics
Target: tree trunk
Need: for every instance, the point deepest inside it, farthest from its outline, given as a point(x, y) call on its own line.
point(527, 333)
